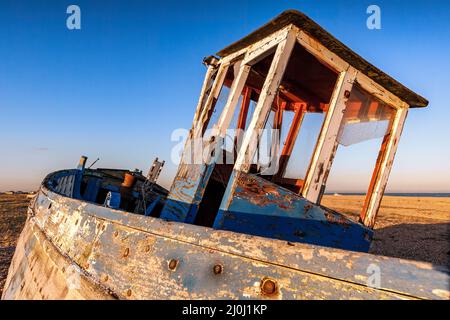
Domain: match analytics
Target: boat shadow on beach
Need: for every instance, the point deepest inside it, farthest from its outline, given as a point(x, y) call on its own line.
point(420, 242)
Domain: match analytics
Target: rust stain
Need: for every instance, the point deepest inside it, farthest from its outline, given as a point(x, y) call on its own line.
point(252, 263)
point(336, 218)
point(269, 287)
point(261, 194)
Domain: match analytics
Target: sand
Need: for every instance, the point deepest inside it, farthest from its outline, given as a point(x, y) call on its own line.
point(416, 228)
point(407, 227)
point(13, 213)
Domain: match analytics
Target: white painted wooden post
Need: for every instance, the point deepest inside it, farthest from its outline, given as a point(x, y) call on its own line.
point(228, 111)
point(325, 148)
point(192, 147)
point(383, 169)
point(210, 72)
point(269, 90)
point(215, 91)
point(233, 98)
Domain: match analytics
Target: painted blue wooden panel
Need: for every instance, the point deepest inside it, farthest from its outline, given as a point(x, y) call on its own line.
point(256, 206)
point(186, 193)
point(92, 189)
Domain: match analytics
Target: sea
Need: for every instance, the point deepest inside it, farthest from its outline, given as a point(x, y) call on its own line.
point(396, 194)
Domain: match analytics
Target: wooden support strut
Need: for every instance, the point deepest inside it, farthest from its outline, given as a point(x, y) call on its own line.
point(382, 169)
point(243, 113)
point(276, 137)
point(211, 71)
point(209, 104)
point(290, 141)
point(326, 144)
point(269, 90)
point(233, 98)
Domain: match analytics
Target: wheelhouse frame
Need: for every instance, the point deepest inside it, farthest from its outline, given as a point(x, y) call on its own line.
point(283, 42)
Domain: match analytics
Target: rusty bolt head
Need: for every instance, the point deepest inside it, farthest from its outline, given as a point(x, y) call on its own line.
point(347, 94)
point(269, 286)
point(173, 264)
point(218, 269)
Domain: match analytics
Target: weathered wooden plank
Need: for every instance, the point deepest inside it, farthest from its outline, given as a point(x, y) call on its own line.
point(39, 270)
point(209, 104)
point(259, 50)
point(290, 141)
point(270, 88)
point(321, 52)
point(210, 73)
point(242, 119)
point(152, 267)
point(323, 153)
point(233, 98)
point(378, 91)
point(403, 279)
point(258, 207)
point(382, 170)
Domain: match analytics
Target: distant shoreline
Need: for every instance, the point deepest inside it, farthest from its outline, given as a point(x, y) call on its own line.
point(395, 194)
point(392, 194)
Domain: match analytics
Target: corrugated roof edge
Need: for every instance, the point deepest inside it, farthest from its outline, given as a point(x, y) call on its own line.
point(305, 23)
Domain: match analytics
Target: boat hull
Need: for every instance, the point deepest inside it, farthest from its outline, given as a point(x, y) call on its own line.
point(71, 249)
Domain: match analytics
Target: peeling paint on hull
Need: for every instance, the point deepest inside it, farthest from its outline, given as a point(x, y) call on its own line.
point(119, 255)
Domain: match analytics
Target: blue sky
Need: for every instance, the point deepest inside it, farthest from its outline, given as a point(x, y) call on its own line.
point(117, 88)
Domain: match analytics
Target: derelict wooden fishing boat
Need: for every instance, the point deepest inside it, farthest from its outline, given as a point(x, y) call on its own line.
point(238, 230)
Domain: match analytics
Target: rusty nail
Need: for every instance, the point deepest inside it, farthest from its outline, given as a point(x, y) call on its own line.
point(127, 252)
point(268, 286)
point(173, 264)
point(218, 269)
point(347, 94)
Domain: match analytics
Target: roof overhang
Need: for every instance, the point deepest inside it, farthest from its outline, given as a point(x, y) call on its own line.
point(331, 43)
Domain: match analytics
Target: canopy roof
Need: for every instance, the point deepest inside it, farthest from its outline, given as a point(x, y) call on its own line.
point(306, 24)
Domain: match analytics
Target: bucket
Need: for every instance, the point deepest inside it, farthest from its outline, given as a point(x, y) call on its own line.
point(129, 180)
